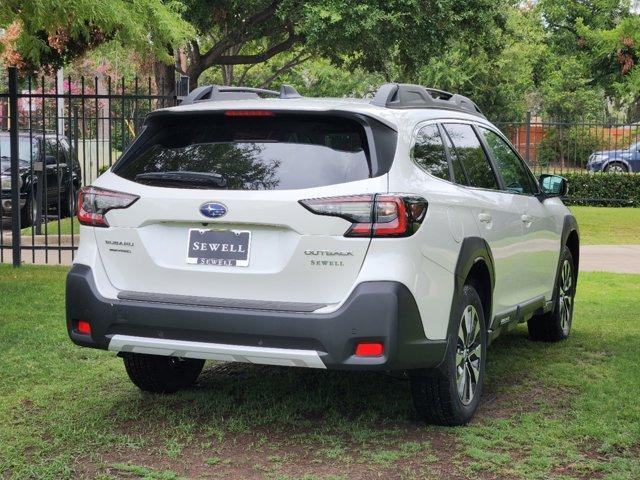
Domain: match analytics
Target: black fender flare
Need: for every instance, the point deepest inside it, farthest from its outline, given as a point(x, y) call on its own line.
point(569, 225)
point(623, 161)
point(472, 251)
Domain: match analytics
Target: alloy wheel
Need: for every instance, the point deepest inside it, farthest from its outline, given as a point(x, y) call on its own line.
point(468, 355)
point(616, 168)
point(565, 299)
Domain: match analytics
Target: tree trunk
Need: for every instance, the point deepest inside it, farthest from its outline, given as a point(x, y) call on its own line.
point(193, 72)
point(227, 74)
point(165, 77)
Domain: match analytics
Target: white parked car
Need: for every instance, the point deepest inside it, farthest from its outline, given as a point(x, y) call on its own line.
point(402, 233)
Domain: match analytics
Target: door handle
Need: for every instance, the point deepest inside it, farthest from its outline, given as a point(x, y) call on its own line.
point(526, 218)
point(484, 217)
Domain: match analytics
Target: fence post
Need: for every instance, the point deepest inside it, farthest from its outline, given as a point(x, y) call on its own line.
point(527, 137)
point(15, 174)
point(75, 129)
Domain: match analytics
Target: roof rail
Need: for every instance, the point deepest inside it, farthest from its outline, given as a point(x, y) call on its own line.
point(220, 92)
point(404, 95)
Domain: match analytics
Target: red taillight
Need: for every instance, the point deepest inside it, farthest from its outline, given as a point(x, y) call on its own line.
point(369, 349)
point(84, 327)
point(249, 113)
point(373, 215)
point(94, 203)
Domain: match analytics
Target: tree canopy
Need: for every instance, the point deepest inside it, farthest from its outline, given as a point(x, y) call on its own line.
point(559, 57)
point(53, 32)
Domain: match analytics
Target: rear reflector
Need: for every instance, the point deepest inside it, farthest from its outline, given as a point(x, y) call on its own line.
point(94, 203)
point(249, 113)
point(372, 349)
point(82, 326)
point(373, 215)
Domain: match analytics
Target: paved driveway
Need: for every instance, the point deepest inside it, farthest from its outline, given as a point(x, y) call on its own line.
point(610, 258)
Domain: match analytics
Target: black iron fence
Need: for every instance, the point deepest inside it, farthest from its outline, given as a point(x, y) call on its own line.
point(561, 145)
point(59, 134)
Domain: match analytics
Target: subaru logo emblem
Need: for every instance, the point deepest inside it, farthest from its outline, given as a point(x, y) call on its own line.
point(213, 209)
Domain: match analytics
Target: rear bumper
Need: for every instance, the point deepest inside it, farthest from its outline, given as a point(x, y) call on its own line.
point(375, 311)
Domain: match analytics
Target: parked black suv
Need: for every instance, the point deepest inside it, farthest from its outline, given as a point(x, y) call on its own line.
point(59, 179)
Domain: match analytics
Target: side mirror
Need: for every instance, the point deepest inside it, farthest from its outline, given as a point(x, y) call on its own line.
point(50, 160)
point(553, 185)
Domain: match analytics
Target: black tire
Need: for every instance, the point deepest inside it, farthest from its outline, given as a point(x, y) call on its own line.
point(159, 374)
point(555, 326)
point(28, 211)
point(69, 205)
point(616, 167)
point(436, 396)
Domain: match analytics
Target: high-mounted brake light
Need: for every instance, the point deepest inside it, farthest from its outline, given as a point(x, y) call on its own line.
point(373, 215)
point(249, 113)
point(94, 203)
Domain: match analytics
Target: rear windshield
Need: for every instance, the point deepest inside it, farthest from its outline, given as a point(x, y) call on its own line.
point(276, 152)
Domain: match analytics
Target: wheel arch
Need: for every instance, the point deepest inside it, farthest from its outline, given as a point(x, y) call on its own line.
point(475, 264)
point(617, 160)
point(571, 239)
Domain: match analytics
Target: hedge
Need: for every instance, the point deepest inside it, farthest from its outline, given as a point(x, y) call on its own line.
point(603, 189)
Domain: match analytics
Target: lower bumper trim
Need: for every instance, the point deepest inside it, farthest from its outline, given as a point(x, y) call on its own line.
point(216, 351)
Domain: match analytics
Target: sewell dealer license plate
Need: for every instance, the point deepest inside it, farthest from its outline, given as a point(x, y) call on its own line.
point(219, 247)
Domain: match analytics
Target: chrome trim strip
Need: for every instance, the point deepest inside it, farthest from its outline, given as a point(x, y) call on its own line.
point(216, 351)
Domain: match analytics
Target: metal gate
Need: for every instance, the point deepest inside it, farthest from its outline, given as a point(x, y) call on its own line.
point(57, 135)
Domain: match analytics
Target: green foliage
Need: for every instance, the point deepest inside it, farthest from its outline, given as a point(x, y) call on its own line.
point(566, 93)
point(562, 17)
point(568, 146)
point(401, 32)
point(613, 189)
point(496, 75)
point(613, 55)
point(316, 77)
point(53, 32)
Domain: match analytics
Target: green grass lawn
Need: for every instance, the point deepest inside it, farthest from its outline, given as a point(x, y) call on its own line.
point(52, 227)
point(566, 410)
point(607, 225)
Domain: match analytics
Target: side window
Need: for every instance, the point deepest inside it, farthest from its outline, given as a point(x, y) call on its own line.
point(429, 153)
point(459, 175)
point(468, 149)
point(514, 173)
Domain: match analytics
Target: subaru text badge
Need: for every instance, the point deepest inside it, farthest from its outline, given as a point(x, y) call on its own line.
point(213, 209)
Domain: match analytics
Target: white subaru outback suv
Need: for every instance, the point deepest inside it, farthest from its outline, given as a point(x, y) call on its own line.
point(402, 233)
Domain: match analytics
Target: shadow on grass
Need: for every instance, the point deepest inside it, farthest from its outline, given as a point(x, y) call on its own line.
point(241, 397)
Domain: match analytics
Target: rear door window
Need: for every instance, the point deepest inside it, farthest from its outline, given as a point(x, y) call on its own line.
point(276, 152)
point(429, 153)
point(515, 175)
point(468, 149)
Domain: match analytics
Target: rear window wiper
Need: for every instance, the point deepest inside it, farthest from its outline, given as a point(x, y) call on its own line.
point(194, 179)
